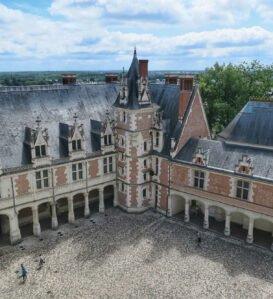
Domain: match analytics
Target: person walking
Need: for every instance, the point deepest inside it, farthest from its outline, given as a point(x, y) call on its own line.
point(24, 273)
point(41, 260)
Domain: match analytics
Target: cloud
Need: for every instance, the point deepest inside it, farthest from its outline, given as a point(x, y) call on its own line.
point(88, 33)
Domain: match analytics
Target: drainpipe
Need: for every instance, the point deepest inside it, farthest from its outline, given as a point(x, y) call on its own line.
point(13, 196)
point(169, 191)
point(86, 176)
point(52, 182)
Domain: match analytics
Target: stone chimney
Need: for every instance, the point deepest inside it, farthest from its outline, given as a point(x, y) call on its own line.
point(69, 78)
point(186, 88)
point(143, 68)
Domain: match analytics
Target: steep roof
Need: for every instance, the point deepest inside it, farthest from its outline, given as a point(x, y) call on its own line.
point(20, 106)
point(253, 124)
point(132, 82)
point(222, 155)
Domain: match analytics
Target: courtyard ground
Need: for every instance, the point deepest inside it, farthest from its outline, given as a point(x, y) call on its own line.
point(134, 256)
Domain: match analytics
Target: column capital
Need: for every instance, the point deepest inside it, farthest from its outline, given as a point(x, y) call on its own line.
point(34, 208)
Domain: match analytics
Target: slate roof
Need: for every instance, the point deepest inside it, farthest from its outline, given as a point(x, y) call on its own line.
point(56, 105)
point(253, 124)
point(225, 156)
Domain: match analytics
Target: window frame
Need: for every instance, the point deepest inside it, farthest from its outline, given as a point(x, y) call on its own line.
point(40, 151)
point(42, 179)
point(144, 193)
point(77, 171)
point(199, 179)
point(76, 145)
point(240, 190)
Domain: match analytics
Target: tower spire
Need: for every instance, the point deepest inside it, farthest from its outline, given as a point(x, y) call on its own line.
point(135, 51)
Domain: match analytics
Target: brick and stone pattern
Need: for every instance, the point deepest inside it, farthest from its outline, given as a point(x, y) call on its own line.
point(219, 184)
point(120, 123)
point(263, 194)
point(224, 199)
point(122, 198)
point(22, 184)
point(180, 174)
point(93, 168)
point(133, 195)
point(163, 197)
point(164, 172)
point(144, 120)
point(60, 174)
point(196, 124)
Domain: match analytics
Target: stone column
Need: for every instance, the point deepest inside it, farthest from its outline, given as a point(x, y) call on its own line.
point(206, 218)
point(86, 206)
point(36, 223)
point(115, 195)
point(101, 201)
point(71, 216)
point(227, 224)
point(169, 207)
point(54, 219)
point(249, 238)
point(187, 211)
point(15, 233)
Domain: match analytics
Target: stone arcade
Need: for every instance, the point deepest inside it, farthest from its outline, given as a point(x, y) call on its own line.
point(134, 145)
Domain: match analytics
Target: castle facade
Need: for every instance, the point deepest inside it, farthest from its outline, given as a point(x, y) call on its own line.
point(133, 145)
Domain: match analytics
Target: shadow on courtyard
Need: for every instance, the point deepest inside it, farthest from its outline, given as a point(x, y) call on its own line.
point(110, 233)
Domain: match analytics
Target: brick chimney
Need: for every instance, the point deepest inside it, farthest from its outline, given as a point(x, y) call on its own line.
point(143, 68)
point(186, 88)
point(111, 78)
point(69, 78)
point(171, 79)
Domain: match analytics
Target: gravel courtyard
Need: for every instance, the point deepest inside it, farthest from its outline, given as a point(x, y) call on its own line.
point(134, 256)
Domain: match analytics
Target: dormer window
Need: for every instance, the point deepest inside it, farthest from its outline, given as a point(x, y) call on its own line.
point(40, 151)
point(37, 140)
point(77, 145)
point(108, 139)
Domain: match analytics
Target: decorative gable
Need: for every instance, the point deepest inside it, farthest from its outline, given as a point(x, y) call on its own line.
point(200, 157)
point(76, 140)
point(38, 143)
point(107, 135)
point(244, 166)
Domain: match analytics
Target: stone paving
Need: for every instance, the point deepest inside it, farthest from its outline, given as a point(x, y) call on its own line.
point(134, 256)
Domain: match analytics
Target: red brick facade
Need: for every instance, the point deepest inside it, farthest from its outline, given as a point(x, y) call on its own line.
point(61, 177)
point(163, 198)
point(219, 184)
point(93, 168)
point(262, 194)
point(22, 184)
point(164, 172)
point(196, 124)
point(180, 174)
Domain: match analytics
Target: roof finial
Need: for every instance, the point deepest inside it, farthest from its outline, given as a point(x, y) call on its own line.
point(135, 51)
point(38, 121)
point(75, 117)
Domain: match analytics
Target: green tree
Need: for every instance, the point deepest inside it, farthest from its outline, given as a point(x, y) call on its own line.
point(225, 89)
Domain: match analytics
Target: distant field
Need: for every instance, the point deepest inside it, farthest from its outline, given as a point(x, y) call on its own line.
point(46, 78)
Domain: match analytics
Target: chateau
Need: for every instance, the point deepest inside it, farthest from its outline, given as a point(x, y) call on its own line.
point(133, 145)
